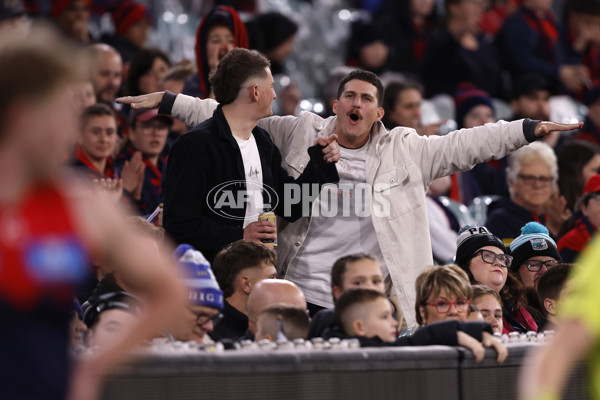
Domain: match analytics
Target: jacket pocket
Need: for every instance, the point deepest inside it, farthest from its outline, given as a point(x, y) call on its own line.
point(394, 193)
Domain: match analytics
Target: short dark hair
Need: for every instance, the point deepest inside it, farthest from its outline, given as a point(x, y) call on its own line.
point(350, 299)
point(294, 321)
point(96, 110)
point(234, 70)
point(393, 90)
point(552, 282)
point(339, 267)
point(141, 64)
point(365, 76)
point(236, 257)
point(591, 7)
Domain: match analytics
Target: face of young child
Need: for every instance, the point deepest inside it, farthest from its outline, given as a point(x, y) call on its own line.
point(380, 321)
point(363, 274)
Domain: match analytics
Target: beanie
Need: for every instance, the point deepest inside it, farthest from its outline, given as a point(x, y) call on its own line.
point(472, 238)
point(592, 185)
point(534, 241)
point(200, 282)
point(468, 97)
point(58, 6)
point(127, 14)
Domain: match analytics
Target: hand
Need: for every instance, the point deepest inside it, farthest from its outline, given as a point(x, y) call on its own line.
point(151, 100)
point(132, 175)
point(489, 340)
point(431, 129)
point(557, 213)
point(331, 152)
point(472, 344)
point(258, 230)
point(573, 77)
point(85, 381)
point(111, 188)
point(545, 127)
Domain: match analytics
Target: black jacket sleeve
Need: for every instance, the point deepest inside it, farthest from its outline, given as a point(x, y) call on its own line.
point(440, 333)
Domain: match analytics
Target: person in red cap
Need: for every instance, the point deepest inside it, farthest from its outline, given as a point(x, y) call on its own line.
point(72, 18)
point(132, 26)
point(586, 221)
point(147, 137)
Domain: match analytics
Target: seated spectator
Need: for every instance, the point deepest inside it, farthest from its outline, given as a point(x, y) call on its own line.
point(173, 81)
point(148, 137)
point(550, 290)
point(367, 315)
point(132, 26)
point(238, 268)
point(282, 322)
point(269, 292)
point(219, 31)
point(585, 222)
point(205, 298)
point(273, 34)
point(407, 25)
point(368, 48)
point(530, 98)
point(474, 107)
point(529, 43)
point(531, 175)
point(485, 259)
point(591, 127)
point(580, 39)
point(460, 52)
point(578, 161)
point(96, 143)
point(534, 253)
point(443, 293)
point(110, 317)
point(72, 17)
point(147, 71)
point(349, 272)
point(489, 304)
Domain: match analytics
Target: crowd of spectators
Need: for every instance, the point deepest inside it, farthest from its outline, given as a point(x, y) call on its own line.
point(182, 128)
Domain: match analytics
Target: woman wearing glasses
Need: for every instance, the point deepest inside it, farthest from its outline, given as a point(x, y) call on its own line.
point(531, 175)
point(485, 259)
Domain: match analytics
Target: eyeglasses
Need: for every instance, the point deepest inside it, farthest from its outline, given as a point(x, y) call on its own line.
point(202, 318)
point(443, 306)
point(490, 257)
point(531, 179)
point(536, 265)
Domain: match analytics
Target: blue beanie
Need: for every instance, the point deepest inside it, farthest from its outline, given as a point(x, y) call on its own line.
point(200, 281)
point(534, 241)
point(468, 97)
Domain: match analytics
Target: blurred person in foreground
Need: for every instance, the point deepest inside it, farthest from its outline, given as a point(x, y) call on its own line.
point(545, 373)
point(51, 226)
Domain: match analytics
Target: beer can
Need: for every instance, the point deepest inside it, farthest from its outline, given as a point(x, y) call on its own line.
point(269, 216)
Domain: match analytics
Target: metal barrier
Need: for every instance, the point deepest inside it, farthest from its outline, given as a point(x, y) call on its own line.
point(433, 372)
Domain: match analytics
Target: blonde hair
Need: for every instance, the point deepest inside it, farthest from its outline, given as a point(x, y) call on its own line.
point(433, 279)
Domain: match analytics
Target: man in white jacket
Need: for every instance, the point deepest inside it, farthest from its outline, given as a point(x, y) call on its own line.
point(393, 168)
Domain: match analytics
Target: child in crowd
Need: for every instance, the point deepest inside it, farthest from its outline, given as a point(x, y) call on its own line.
point(551, 287)
point(489, 304)
point(282, 322)
point(352, 271)
point(368, 315)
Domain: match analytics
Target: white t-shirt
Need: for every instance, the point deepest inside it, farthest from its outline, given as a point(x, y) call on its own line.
point(254, 178)
point(347, 231)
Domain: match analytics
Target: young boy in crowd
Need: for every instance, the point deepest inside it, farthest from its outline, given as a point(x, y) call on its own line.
point(238, 268)
point(368, 315)
point(281, 321)
point(353, 271)
point(550, 289)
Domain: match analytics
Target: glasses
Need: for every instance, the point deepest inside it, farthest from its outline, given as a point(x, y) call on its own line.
point(531, 179)
point(202, 318)
point(536, 265)
point(443, 306)
point(490, 257)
